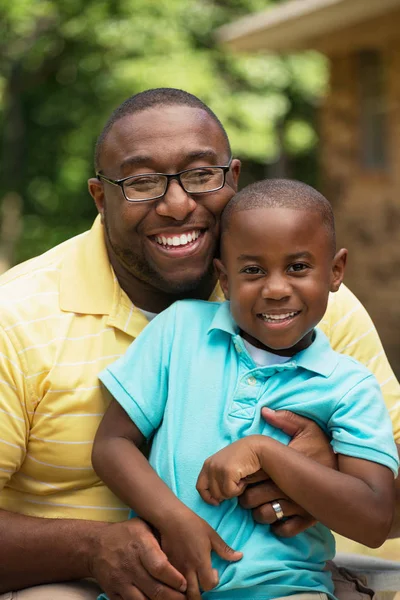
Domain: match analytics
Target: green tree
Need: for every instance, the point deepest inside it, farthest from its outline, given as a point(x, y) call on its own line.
point(66, 65)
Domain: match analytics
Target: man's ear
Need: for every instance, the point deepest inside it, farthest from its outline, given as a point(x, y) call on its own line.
point(222, 276)
point(96, 190)
point(338, 268)
point(235, 172)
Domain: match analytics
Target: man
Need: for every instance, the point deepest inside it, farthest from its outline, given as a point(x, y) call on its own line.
point(68, 313)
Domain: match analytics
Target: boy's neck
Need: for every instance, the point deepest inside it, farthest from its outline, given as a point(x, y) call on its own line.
point(304, 343)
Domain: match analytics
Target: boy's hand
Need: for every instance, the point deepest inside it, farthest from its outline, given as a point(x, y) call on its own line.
point(225, 474)
point(188, 541)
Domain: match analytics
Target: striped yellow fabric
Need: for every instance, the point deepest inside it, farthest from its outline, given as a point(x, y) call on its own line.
point(63, 318)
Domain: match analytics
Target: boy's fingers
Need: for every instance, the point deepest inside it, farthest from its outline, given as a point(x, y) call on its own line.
point(193, 590)
point(223, 550)
point(203, 487)
point(207, 576)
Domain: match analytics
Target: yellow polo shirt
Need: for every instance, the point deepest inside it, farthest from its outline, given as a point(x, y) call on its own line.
point(63, 318)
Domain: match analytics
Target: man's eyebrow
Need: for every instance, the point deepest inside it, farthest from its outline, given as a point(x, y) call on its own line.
point(208, 153)
point(135, 160)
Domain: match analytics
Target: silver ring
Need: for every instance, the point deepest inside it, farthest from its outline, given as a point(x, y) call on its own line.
point(278, 510)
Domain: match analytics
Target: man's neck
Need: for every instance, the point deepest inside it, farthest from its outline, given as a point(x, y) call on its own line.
point(144, 295)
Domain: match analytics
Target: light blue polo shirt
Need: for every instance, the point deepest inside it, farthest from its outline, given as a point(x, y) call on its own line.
point(189, 378)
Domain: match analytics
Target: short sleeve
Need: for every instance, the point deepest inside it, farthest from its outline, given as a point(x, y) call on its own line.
point(360, 425)
point(14, 416)
point(139, 379)
point(351, 331)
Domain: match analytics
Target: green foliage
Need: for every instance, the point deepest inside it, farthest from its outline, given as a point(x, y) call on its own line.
point(66, 65)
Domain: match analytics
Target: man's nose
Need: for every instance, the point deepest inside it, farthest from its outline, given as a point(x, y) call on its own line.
point(276, 287)
point(175, 203)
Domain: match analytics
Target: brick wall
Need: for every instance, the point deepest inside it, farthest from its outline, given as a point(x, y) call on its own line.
point(366, 201)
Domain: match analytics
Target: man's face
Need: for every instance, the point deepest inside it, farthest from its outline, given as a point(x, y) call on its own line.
point(168, 140)
point(277, 271)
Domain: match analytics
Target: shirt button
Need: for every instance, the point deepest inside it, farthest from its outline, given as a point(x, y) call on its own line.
point(238, 348)
point(251, 380)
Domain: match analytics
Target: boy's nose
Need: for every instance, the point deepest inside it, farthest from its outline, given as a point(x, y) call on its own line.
point(175, 203)
point(276, 288)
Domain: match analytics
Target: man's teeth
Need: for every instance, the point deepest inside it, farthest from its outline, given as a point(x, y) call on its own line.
point(177, 240)
point(275, 318)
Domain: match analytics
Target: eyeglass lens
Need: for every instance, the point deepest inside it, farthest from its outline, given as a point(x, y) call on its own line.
point(193, 181)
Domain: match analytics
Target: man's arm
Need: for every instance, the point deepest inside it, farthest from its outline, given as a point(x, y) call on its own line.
point(36, 551)
point(395, 530)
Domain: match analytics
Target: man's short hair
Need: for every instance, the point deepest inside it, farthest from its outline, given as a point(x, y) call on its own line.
point(149, 99)
point(281, 193)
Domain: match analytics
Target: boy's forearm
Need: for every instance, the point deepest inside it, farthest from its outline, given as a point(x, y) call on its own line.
point(342, 502)
point(122, 466)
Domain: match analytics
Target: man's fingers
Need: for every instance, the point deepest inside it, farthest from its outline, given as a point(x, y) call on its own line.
point(256, 477)
point(262, 493)
point(292, 526)
point(265, 514)
point(287, 421)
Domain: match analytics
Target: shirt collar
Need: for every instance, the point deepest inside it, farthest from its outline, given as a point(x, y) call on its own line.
point(89, 286)
point(318, 358)
point(87, 283)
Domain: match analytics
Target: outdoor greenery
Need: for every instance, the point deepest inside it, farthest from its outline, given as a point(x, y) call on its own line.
point(65, 65)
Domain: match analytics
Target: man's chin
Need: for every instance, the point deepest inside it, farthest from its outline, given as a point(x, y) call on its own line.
point(178, 286)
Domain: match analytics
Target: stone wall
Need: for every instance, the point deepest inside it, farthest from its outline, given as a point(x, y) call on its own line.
point(366, 201)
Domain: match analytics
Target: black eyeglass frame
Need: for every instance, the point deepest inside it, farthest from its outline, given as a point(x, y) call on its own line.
point(177, 176)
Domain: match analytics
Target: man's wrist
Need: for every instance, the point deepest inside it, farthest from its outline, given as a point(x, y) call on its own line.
point(89, 544)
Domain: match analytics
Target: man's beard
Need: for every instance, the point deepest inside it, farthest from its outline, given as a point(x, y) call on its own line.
point(143, 271)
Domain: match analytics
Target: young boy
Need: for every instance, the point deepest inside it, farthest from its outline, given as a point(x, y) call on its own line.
point(199, 375)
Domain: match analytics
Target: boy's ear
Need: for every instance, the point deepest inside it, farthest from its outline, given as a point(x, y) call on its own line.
point(222, 276)
point(338, 268)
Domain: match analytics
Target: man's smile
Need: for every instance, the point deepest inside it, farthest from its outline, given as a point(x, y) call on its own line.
point(179, 245)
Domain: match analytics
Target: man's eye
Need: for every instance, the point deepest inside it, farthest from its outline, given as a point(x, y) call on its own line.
point(297, 268)
point(201, 175)
point(142, 182)
point(252, 270)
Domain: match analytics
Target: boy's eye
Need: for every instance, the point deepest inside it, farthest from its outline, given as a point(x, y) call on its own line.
point(251, 270)
point(297, 268)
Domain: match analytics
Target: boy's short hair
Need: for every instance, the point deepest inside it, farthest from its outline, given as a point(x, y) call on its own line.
point(281, 193)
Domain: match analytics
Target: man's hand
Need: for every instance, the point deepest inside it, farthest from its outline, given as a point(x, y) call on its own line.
point(128, 564)
point(308, 439)
point(188, 541)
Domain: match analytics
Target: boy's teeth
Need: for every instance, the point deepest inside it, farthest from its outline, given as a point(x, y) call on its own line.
point(281, 317)
point(178, 240)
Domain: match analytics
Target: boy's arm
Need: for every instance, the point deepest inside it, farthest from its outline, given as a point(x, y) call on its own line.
point(356, 501)
point(186, 539)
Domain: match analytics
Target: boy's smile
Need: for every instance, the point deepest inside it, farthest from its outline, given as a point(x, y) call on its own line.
point(277, 269)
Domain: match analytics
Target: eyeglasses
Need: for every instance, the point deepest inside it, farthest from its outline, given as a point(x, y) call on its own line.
point(149, 186)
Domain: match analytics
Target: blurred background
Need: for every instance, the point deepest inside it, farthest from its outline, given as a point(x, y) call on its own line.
point(307, 89)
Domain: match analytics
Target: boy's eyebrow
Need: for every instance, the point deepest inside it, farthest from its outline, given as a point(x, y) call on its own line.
point(245, 257)
point(294, 256)
point(302, 254)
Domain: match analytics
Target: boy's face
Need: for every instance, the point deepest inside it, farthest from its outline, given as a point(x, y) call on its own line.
point(277, 269)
